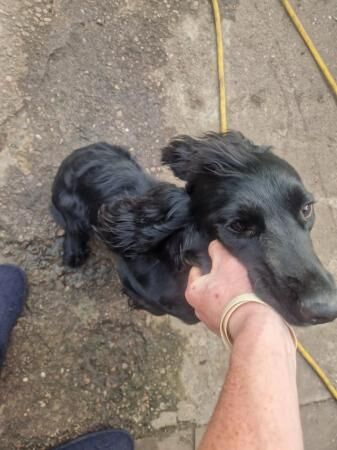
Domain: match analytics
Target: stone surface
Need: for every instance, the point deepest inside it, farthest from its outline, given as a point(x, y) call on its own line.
point(319, 420)
point(187, 412)
point(321, 342)
point(202, 371)
point(165, 419)
point(182, 440)
point(320, 425)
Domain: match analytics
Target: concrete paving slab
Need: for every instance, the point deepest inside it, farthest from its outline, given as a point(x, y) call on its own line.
point(319, 421)
point(320, 425)
point(320, 341)
point(178, 440)
point(202, 372)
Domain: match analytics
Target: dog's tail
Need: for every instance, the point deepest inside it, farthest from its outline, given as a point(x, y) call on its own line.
point(136, 225)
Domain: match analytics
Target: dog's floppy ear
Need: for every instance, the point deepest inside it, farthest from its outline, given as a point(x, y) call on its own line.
point(136, 225)
point(217, 153)
point(181, 155)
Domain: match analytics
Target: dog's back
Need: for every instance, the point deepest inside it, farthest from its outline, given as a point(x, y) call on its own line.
point(87, 178)
point(99, 173)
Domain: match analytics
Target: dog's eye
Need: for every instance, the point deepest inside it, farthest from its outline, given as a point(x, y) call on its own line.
point(238, 226)
point(307, 211)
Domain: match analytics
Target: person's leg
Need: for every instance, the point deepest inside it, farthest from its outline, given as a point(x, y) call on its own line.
point(13, 290)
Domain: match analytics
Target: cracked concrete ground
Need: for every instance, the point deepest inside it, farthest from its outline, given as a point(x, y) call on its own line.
point(137, 72)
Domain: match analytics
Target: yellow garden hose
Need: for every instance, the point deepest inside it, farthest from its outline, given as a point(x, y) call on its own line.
point(304, 35)
point(223, 128)
point(221, 70)
point(315, 366)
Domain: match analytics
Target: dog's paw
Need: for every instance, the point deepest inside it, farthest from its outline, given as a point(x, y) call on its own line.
point(73, 259)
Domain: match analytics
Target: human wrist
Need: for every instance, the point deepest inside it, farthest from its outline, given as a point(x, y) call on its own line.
point(247, 315)
point(255, 319)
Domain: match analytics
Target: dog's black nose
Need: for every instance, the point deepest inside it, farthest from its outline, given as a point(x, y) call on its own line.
point(322, 309)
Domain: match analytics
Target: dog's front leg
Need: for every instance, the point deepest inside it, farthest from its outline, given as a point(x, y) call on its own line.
point(75, 248)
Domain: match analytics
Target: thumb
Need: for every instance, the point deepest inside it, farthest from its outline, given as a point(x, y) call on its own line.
point(190, 293)
point(195, 274)
point(218, 254)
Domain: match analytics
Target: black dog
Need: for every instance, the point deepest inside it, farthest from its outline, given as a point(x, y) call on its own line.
point(237, 192)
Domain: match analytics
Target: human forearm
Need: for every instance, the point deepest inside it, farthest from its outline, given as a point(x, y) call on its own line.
point(258, 405)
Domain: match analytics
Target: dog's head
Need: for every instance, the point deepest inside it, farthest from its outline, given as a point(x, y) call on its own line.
point(255, 203)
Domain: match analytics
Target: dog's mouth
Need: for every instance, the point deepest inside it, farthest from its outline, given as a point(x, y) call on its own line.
point(318, 321)
point(302, 322)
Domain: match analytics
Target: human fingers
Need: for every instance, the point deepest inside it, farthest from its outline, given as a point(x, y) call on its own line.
point(218, 254)
point(195, 289)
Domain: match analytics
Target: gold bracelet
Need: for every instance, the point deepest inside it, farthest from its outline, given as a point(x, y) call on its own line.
point(232, 306)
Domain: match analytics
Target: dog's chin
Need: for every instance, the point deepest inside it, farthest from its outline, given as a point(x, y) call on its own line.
point(292, 320)
point(306, 322)
point(295, 321)
point(287, 315)
point(281, 307)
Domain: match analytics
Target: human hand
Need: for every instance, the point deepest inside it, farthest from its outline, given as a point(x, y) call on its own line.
point(209, 294)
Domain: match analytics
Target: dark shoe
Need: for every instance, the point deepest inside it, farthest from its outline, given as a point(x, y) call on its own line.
point(13, 290)
point(102, 440)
